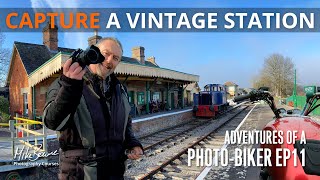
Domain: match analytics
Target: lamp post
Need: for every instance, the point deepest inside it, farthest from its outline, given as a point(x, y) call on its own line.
point(295, 90)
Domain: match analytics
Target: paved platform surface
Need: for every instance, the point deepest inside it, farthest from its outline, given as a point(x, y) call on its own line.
point(262, 115)
point(257, 119)
point(6, 150)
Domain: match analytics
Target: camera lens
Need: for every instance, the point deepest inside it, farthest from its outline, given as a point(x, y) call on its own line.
point(92, 56)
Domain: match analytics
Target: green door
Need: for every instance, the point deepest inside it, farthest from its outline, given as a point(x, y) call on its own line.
point(131, 97)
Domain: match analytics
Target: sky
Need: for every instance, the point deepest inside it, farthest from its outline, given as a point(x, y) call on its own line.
point(215, 57)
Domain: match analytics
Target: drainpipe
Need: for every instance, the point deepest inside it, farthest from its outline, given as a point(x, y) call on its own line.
point(295, 89)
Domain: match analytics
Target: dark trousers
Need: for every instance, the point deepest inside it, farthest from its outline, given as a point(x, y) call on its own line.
point(71, 169)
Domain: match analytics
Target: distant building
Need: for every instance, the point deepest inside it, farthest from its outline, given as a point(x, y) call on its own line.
point(33, 67)
point(190, 89)
point(232, 89)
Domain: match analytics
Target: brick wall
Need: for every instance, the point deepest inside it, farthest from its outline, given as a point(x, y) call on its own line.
point(40, 91)
point(144, 128)
point(140, 86)
point(50, 37)
point(18, 80)
point(42, 87)
point(138, 53)
point(136, 86)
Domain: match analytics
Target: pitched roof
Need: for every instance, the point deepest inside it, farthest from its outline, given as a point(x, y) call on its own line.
point(55, 64)
point(229, 83)
point(135, 61)
point(34, 55)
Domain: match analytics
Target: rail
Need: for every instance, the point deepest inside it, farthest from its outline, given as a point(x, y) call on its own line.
point(162, 165)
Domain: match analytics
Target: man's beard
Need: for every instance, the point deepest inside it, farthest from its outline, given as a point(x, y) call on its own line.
point(103, 75)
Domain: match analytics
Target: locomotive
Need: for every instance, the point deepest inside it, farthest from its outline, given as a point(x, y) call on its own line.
point(308, 165)
point(210, 102)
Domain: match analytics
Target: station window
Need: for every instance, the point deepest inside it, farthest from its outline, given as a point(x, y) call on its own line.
point(25, 104)
point(140, 98)
point(156, 96)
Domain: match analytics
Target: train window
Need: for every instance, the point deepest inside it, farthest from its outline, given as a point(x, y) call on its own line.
point(205, 99)
point(215, 88)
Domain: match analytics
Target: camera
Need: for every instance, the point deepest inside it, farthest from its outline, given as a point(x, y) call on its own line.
point(91, 55)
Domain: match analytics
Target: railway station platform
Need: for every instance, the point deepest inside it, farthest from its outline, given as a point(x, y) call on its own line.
point(256, 120)
point(142, 125)
point(148, 124)
point(151, 123)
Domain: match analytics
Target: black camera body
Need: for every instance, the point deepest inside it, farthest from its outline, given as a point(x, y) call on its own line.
point(91, 55)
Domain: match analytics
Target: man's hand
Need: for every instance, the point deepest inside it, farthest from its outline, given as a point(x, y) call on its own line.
point(135, 153)
point(73, 71)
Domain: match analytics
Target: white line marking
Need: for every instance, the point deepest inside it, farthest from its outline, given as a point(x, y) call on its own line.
point(245, 118)
point(204, 173)
point(169, 114)
point(159, 116)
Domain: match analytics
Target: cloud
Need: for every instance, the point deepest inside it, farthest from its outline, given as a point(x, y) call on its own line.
point(64, 3)
point(71, 39)
point(55, 4)
point(38, 4)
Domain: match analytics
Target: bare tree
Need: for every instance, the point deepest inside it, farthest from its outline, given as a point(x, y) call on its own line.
point(278, 74)
point(4, 61)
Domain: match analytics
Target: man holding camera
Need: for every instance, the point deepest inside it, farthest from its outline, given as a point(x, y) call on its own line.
point(89, 107)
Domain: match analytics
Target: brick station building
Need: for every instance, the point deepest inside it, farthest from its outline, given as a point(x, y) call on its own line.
point(34, 67)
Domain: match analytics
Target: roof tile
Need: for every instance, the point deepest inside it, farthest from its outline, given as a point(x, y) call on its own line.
point(34, 55)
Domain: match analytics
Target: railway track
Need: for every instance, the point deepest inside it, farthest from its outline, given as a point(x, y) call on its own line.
point(177, 165)
point(155, 139)
point(172, 167)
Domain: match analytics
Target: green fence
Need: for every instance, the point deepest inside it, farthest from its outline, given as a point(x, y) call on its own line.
point(301, 101)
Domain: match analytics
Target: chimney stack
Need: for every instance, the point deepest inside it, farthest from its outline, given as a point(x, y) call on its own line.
point(94, 39)
point(152, 59)
point(138, 53)
point(50, 37)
